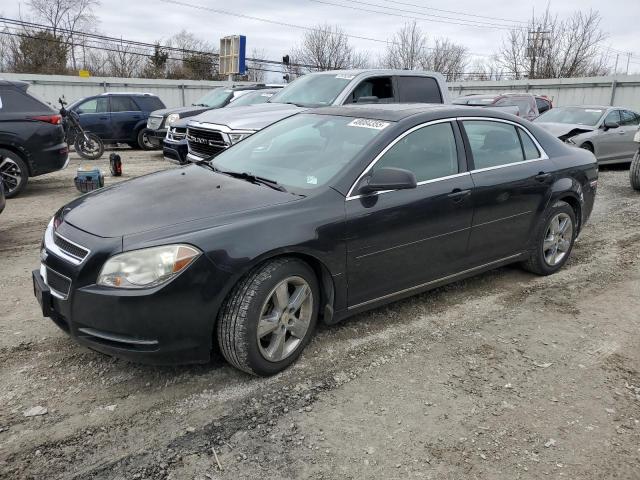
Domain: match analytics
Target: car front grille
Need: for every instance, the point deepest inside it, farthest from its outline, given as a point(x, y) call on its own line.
point(57, 282)
point(176, 133)
point(71, 249)
point(154, 122)
point(205, 142)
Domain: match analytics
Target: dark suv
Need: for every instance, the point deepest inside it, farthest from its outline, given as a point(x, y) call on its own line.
point(118, 117)
point(160, 120)
point(31, 137)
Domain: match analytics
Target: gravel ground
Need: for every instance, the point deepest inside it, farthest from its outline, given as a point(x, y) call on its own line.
point(503, 376)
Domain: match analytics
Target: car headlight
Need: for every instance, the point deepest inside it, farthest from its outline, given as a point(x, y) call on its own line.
point(174, 117)
point(236, 137)
point(147, 267)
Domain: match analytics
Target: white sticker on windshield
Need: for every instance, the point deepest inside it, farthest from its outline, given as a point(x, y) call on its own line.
point(312, 180)
point(368, 123)
point(345, 77)
point(590, 110)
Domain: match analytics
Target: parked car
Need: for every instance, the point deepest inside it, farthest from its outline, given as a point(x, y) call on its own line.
point(175, 147)
point(31, 137)
point(214, 131)
point(118, 117)
point(320, 216)
point(607, 132)
point(160, 120)
point(634, 171)
point(527, 105)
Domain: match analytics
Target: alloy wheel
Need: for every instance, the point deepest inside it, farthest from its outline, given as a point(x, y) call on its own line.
point(10, 174)
point(284, 318)
point(146, 142)
point(557, 239)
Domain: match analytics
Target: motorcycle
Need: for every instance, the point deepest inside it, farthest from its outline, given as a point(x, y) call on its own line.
point(87, 144)
point(634, 171)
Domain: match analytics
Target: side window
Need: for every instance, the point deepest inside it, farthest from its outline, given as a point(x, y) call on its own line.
point(543, 105)
point(418, 89)
point(529, 148)
point(95, 105)
point(523, 103)
point(613, 116)
point(429, 153)
point(123, 104)
point(628, 118)
point(493, 143)
point(380, 87)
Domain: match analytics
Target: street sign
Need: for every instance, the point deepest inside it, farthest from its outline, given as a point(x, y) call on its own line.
point(84, 73)
point(233, 55)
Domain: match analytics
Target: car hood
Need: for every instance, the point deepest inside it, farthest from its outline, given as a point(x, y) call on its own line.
point(560, 129)
point(250, 117)
point(183, 111)
point(168, 198)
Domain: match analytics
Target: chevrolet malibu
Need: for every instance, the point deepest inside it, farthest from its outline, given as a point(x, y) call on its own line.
point(315, 218)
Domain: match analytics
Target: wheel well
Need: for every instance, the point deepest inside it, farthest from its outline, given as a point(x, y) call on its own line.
point(590, 145)
point(20, 154)
point(577, 209)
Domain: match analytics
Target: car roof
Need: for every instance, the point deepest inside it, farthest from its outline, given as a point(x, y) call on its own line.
point(395, 112)
point(378, 71)
point(601, 107)
point(14, 83)
point(134, 94)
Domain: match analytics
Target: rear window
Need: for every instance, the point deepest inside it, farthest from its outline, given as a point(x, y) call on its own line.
point(123, 104)
point(15, 101)
point(149, 104)
point(419, 89)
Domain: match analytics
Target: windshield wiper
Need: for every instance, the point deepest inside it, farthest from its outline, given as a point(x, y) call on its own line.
point(206, 162)
point(199, 105)
point(256, 179)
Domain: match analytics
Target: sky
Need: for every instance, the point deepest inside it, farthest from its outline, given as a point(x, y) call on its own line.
point(153, 20)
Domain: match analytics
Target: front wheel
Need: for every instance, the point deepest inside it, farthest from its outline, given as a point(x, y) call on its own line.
point(89, 146)
point(269, 317)
point(634, 171)
point(554, 240)
point(144, 143)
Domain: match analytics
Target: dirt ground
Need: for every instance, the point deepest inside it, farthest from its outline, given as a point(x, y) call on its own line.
point(503, 376)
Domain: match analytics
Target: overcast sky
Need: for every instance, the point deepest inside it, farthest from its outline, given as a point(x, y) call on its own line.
point(152, 20)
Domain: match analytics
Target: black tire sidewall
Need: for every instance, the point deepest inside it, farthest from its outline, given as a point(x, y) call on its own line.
point(97, 140)
point(558, 207)
point(257, 362)
point(634, 171)
point(140, 138)
point(23, 168)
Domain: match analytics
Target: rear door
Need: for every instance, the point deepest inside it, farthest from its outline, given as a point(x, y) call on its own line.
point(94, 116)
point(629, 124)
point(418, 89)
point(125, 115)
point(512, 184)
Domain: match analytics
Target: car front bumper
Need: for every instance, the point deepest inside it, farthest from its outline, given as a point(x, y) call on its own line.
point(157, 136)
point(175, 151)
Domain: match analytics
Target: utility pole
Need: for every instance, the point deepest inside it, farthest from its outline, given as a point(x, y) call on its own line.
point(615, 69)
point(537, 47)
point(629, 55)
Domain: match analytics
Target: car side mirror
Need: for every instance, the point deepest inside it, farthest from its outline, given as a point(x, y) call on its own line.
point(368, 99)
point(388, 179)
point(608, 124)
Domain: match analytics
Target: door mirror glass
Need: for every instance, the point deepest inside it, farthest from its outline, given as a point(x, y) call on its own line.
point(609, 124)
point(388, 178)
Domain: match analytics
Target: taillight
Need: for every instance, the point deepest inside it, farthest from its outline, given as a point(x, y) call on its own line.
point(52, 119)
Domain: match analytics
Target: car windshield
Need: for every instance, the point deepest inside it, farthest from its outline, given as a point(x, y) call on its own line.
point(252, 98)
point(572, 115)
point(215, 98)
point(313, 90)
point(302, 152)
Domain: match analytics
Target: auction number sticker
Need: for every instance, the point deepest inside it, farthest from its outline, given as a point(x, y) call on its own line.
point(345, 77)
point(368, 123)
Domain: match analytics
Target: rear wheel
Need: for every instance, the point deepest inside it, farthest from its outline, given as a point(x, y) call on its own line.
point(554, 240)
point(269, 317)
point(634, 171)
point(14, 173)
point(143, 140)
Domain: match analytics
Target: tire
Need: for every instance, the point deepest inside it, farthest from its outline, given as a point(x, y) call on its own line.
point(542, 261)
point(91, 149)
point(143, 142)
point(256, 296)
point(14, 173)
point(588, 147)
point(634, 171)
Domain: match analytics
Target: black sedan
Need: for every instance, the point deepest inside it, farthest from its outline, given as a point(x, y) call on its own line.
point(315, 218)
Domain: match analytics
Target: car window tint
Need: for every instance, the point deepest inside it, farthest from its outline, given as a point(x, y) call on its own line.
point(613, 116)
point(13, 101)
point(381, 87)
point(95, 105)
point(542, 104)
point(628, 118)
point(531, 152)
point(493, 143)
point(123, 104)
point(419, 89)
point(429, 153)
point(149, 103)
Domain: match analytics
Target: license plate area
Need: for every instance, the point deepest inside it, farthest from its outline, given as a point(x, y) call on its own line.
point(42, 293)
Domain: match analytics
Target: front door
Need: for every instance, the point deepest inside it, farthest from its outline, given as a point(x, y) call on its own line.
point(401, 239)
point(94, 116)
point(512, 184)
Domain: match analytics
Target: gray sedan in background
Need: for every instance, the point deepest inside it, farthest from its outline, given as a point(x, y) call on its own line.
point(605, 131)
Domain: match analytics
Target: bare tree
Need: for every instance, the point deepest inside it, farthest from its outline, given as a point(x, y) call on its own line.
point(196, 59)
point(556, 48)
point(489, 69)
point(446, 57)
point(406, 49)
point(255, 68)
point(326, 47)
point(122, 60)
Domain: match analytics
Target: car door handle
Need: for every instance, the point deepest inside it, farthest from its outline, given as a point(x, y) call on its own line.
point(542, 176)
point(457, 195)
point(103, 118)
